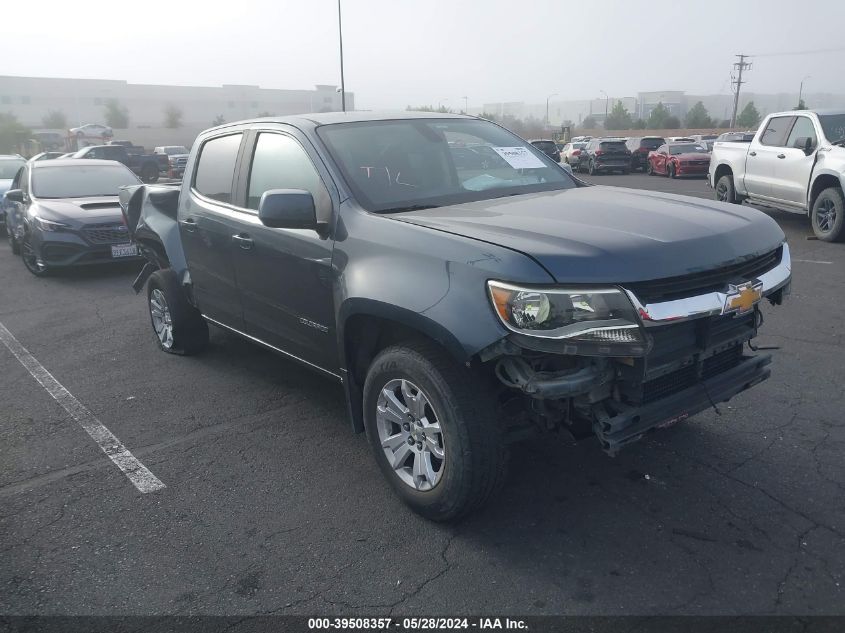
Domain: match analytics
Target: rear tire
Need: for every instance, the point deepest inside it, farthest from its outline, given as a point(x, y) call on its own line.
point(592, 168)
point(725, 191)
point(649, 168)
point(469, 436)
point(178, 326)
point(828, 215)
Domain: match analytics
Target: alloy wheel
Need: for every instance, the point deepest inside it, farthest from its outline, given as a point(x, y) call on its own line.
point(162, 322)
point(30, 259)
point(721, 191)
point(826, 215)
point(410, 434)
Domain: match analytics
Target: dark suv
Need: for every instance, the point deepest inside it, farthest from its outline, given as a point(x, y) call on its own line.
point(549, 148)
point(461, 305)
point(640, 146)
point(604, 155)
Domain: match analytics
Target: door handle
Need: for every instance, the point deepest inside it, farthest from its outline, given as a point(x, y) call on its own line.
point(752, 153)
point(189, 224)
point(781, 155)
point(244, 241)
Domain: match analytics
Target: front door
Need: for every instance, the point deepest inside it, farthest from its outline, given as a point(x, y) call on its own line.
point(285, 275)
point(763, 155)
point(792, 170)
point(207, 222)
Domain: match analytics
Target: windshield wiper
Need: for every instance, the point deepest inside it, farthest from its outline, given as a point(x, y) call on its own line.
point(410, 207)
point(839, 142)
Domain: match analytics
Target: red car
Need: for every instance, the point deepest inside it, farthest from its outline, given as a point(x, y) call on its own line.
point(679, 159)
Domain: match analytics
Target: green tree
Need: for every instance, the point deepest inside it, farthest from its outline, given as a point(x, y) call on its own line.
point(657, 117)
point(672, 122)
point(218, 120)
point(116, 115)
point(589, 123)
point(697, 117)
point(172, 116)
point(427, 108)
point(749, 117)
point(619, 118)
point(11, 133)
point(55, 119)
point(639, 124)
point(801, 105)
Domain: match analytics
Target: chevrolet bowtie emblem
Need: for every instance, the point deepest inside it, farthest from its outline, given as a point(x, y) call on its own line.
point(741, 299)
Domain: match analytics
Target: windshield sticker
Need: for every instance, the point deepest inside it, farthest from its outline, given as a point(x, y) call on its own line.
point(519, 157)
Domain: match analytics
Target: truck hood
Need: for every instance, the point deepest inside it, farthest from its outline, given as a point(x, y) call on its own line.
point(78, 211)
point(611, 234)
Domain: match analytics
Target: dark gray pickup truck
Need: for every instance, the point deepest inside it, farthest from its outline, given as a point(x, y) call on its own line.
point(462, 304)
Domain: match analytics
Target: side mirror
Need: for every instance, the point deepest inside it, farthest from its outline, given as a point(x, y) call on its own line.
point(805, 144)
point(15, 195)
point(287, 209)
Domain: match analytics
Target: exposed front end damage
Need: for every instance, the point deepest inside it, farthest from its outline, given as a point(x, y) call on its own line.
point(698, 353)
point(150, 213)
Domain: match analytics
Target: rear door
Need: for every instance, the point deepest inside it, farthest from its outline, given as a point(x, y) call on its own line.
point(763, 157)
point(207, 221)
point(285, 276)
point(792, 171)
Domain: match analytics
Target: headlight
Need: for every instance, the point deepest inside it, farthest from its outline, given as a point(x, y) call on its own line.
point(596, 320)
point(49, 225)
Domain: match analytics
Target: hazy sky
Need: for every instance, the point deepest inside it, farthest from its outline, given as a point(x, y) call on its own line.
point(400, 52)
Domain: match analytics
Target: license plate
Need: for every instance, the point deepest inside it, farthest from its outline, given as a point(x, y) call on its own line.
point(124, 250)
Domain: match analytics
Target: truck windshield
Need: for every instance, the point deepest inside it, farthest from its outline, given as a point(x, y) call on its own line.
point(173, 150)
point(399, 165)
point(833, 126)
point(83, 181)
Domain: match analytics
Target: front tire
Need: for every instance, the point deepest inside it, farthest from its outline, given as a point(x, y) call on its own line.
point(30, 258)
point(828, 215)
point(592, 169)
point(725, 191)
point(434, 430)
point(670, 171)
point(178, 326)
point(649, 168)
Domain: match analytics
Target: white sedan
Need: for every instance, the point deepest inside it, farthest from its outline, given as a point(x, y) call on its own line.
point(92, 129)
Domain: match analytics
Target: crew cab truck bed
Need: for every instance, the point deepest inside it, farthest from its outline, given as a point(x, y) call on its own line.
point(796, 162)
point(462, 303)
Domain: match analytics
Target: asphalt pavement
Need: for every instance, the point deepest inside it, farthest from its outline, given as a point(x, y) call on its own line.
point(272, 505)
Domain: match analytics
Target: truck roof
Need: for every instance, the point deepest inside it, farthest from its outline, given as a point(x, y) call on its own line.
point(329, 118)
point(821, 111)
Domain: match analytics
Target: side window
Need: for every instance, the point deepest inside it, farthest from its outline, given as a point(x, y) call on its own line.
point(215, 171)
point(775, 132)
point(803, 128)
point(279, 162)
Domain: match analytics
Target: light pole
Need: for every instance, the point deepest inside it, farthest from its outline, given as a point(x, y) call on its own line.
point(801, 89)
point(466, 109)
point(340, 39)
point(547, 106)
point(606, 100)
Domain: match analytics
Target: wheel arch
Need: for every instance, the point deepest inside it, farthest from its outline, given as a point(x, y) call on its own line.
point(722, 170)
point(365, 327)
point(822, 182)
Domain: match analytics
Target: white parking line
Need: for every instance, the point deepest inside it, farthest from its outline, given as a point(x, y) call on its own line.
point(137, 473)
point(811, 261)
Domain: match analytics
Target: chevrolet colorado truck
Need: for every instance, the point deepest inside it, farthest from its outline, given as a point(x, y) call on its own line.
point(795, 162)
point(461, 305)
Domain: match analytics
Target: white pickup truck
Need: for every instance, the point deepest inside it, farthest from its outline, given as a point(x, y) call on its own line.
point(795, 162)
